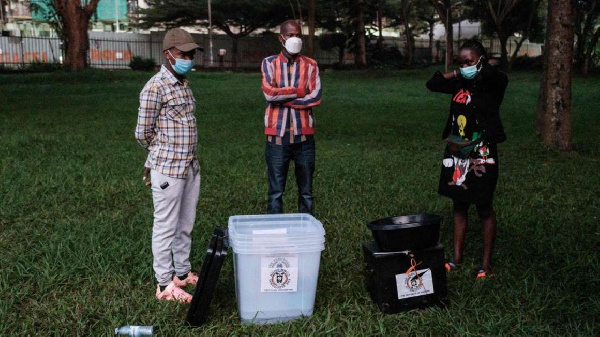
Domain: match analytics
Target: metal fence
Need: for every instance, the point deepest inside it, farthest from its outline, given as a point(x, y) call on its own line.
point(116, 54)
point(21, 51)
point(115, 51)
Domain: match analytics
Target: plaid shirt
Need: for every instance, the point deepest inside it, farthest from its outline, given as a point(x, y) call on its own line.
point(282, 80)
point(166, 124)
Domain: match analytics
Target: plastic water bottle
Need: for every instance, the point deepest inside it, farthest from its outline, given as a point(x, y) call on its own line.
point(135, 330)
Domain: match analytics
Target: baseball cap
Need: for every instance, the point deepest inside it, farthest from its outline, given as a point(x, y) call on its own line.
point(179, 39)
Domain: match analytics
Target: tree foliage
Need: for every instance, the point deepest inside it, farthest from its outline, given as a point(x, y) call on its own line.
point(504, 18)
point(445, 13)
point(237, 18)
point(342, 17)
point(45, 9)
point(587, 31)
point(70, 19)
point(351, 20)
point(414, 17)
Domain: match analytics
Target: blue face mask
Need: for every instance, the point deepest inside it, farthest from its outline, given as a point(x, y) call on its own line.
point(470, 72)
point(182, 66)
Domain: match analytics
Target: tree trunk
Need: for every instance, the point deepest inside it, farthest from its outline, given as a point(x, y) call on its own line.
point(409, 44)
point(498, 13)
point(542, 95)
point(579, 48)
point(449, 40)
point(526, 34)
point(360, 58)
point(75, 18)
point(341, 54)
point(503, 50)
point(407, 31)
point(311, 28)
point(443, 7)
point(77, 42)
point(234, 39)
point(234, 51)
point(583, 34)
point(431, 52)
point(379, 27)
point(554, 107)
point(587, 58)
point(515, 53)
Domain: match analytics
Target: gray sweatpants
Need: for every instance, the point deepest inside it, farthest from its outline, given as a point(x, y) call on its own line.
point(175, 202)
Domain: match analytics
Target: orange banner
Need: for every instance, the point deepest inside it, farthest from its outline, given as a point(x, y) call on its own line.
point(109, 55)
point(27, 57)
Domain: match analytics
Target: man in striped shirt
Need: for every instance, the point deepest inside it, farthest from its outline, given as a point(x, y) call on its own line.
point(291, 85)
point(166, 127)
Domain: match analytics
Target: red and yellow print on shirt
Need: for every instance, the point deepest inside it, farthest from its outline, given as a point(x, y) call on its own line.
point(462, 97)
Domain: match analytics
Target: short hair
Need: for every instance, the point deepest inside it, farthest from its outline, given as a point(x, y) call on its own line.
point(474, 46)
point(283, 26)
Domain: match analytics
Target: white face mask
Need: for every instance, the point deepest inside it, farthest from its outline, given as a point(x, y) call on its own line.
point(293, 45)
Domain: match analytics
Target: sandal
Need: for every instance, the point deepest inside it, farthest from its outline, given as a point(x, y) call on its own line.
point(192, 279)
point(450, 266)
point(482, 275)
point(173, 293)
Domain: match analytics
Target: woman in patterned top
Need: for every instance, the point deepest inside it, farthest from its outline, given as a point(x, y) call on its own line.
point(470, 166)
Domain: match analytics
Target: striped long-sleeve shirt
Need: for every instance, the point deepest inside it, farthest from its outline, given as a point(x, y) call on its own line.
point(283, 85)
point(166, 124)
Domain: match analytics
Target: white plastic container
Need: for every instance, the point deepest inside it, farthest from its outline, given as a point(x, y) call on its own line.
point(282, 245)
point(275, 226)
point(276, 265)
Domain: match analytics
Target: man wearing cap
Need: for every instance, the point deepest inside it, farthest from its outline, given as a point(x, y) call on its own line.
point(291, 85)
point(166, 127)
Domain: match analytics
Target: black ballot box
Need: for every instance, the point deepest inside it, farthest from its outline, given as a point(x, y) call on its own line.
point(405, 280)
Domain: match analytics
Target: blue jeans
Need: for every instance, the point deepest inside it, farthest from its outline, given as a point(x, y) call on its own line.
point(278, 161)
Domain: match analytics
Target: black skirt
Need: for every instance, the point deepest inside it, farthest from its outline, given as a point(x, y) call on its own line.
point(473, 179)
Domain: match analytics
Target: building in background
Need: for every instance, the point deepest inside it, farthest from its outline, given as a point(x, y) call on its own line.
point(20, 17)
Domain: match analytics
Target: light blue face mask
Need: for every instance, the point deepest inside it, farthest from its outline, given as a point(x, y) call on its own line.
point(182, 66)
point(470, 72)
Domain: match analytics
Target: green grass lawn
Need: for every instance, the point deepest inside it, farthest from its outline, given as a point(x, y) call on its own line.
point(76, 220)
